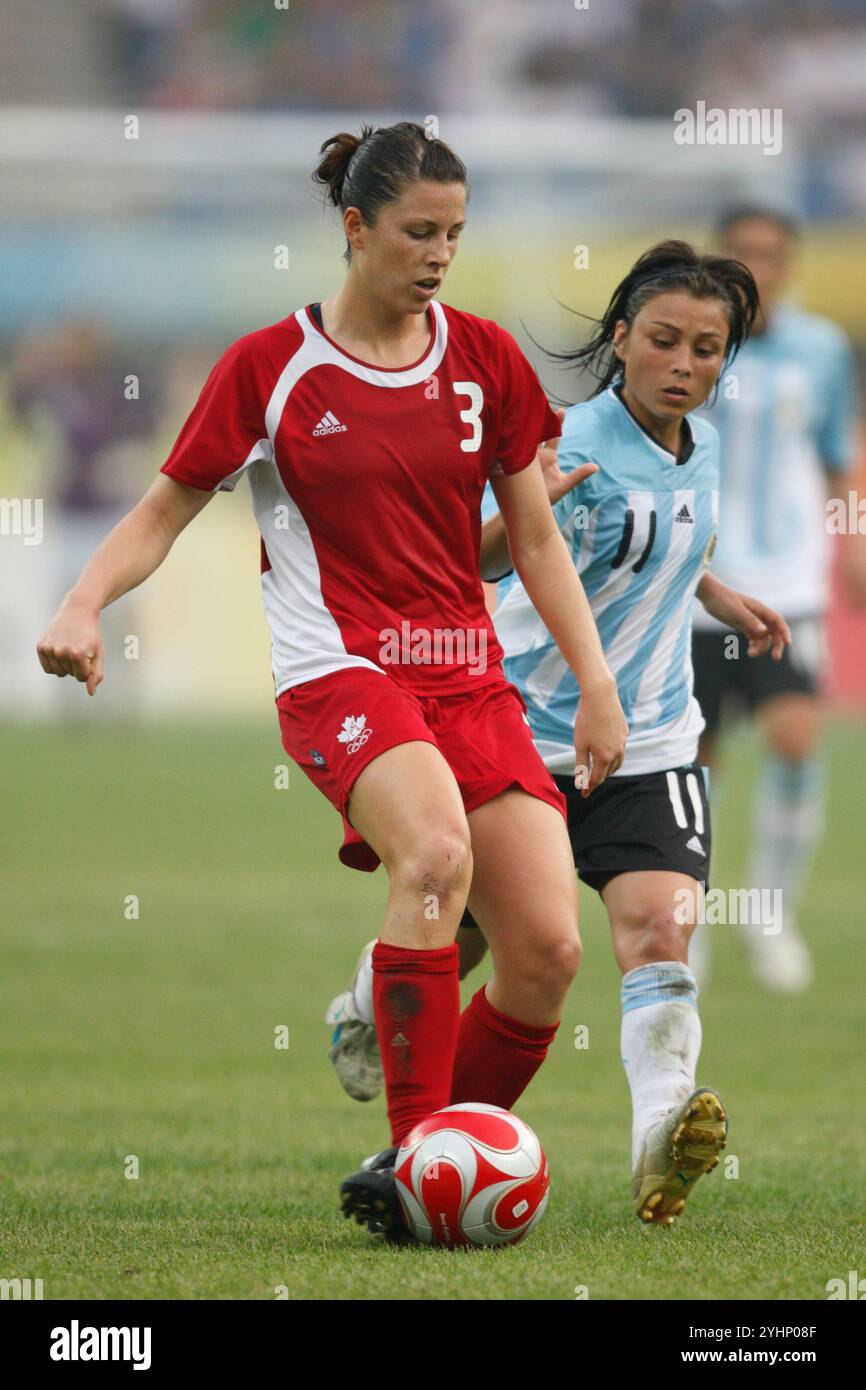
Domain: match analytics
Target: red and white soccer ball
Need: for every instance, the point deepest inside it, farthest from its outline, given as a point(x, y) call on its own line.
point(472, 1174)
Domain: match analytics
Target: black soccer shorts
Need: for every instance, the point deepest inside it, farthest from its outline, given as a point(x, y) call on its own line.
point(655, 820)
point(726, 677)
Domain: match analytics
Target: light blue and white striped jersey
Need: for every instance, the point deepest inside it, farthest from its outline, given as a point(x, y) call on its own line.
point(641, 531)
point(792, 421)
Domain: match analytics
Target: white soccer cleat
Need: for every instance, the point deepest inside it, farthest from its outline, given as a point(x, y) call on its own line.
point(782, 964)
point(675, 1152)
point(354, 1047)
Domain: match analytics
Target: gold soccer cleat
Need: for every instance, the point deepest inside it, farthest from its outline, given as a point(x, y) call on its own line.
point(675, 1153)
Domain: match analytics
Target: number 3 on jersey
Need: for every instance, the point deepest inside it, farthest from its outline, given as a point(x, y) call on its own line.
point(472, 414)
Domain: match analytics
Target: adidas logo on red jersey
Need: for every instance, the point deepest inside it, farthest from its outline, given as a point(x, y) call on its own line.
point(329, 424)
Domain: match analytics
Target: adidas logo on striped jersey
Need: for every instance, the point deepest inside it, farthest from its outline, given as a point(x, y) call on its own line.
point(684, 515)
point(329, 424)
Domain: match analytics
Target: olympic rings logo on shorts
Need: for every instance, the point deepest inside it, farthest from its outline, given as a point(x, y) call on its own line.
point(354, 732)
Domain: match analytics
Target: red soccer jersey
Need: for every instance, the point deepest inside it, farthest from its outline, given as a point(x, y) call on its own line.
point(367, 485)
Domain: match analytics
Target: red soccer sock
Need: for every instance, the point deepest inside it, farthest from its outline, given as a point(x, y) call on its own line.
point(416, 1004)
point(497, 1056)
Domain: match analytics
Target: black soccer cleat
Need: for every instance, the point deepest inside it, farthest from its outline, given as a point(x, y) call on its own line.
point(370, 1195)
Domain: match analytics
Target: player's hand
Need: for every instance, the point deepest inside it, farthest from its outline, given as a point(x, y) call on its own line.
point(72, 646)
point(765, 629)
point(600, 733)
point(557, 482)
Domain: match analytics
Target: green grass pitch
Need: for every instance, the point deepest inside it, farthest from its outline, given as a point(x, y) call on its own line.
point(154, 1038)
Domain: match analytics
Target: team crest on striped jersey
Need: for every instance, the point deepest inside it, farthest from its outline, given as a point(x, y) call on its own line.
point(329, 424)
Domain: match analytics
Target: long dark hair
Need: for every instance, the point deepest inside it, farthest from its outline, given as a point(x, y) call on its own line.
point(367, 171)
point(670, 265)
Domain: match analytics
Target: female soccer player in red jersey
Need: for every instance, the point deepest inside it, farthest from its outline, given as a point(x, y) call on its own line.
point(369, 425)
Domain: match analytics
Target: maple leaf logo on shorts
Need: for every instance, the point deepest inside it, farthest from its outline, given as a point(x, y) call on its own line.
point(354, 732)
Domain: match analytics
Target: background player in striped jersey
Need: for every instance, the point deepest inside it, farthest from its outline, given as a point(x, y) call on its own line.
point(640, 530)
point(788, 435)
point(368, 427)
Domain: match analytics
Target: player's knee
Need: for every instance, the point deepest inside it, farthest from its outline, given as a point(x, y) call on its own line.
point(438, 865)
point(566, 957)
point(657, 935)
point(791, 728)
point(793, 741)
point(552, 961)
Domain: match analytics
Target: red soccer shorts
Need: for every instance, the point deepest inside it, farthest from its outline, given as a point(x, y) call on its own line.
point(334, 726)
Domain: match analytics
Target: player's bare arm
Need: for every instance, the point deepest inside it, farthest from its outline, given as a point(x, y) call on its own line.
point(765, 629)
point(71, 644)
point(548, 575)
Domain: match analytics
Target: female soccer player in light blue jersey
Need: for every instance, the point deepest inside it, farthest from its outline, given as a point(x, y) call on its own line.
point(788, 437)
point(641, 528)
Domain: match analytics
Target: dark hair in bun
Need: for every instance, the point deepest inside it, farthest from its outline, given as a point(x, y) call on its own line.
point(367, 171)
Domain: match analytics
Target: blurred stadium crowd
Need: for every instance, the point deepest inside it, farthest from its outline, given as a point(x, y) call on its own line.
point(634, 57)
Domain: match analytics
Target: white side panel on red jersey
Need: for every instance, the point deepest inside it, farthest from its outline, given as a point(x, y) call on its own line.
point(306, 642)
